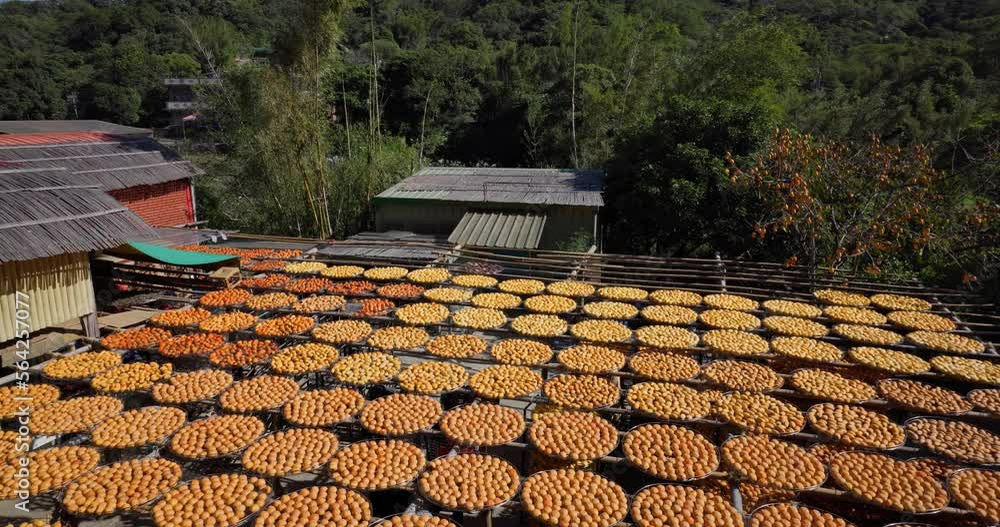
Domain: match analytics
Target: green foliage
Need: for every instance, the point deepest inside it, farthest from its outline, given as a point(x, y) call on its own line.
point(279, 175)
point(219, 40)
point(579, 242)
point(180, 65)
point(34, 68)
point(260, 188)
point(353, 180)
point(667, 193)
point(749, 60)
point(112, 56)
point(653, 90)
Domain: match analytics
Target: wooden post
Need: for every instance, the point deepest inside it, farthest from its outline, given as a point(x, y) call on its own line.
point(89, 324)
point(722, 270)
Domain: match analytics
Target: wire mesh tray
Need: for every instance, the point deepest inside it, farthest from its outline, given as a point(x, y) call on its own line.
point(833, 477)
point(536, 393)
point(129, 395)
point(159, 442)
point(447, 389)
point(230, 332)
point(368, 384)
point(281, 521)
point(55, 492)
point(360, 341)
point(145, 348)
point(320, 370)
point(210, 400)
point(715, 467)
point(272, 409)
point(560, 457)
point(83, 430)
point(745, 430)
point(596, 408)
point(820, 398)
point(314, 469)
point(442, 506)
point(937, 452)
point(797, 505)
point(294, 336)
point(993, 413)
point(399, 485)
point(469, 444)
point(834, 439)
point(143, 508)
point(911, 408)
point(963, 503)
point(85, 380)
point(738, 475)
point(231, 456)
point(351, 418)
point(242, 522)
point(633, 318)
point(385, 521)
point(616, 521)
point(647, 414)
point(413, 433)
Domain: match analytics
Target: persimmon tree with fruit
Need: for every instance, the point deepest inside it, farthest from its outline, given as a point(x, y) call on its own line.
point(852, 207)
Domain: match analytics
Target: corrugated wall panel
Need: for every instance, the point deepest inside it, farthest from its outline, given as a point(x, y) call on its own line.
point(517, 237)
point(499, 229)
point(59, 288)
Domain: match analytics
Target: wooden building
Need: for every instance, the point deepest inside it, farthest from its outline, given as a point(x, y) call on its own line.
point(48, 228)
point(512, 208)
point(149, 178)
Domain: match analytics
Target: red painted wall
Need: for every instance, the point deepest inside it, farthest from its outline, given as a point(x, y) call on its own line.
point(162, 205)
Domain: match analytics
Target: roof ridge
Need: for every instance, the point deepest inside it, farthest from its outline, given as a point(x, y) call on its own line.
point(522, 170)
point(42, 138)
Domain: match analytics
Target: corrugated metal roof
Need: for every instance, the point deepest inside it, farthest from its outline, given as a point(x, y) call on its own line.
point(381, 251)
point(79, 125)
point(396, 236)
point(499, 229)
point(393, 246)
point(95, 158)
point(537, 186)
point(47, 138)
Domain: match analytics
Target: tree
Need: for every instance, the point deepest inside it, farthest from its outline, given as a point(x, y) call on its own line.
point(219, 41)
point(275, 119)
point(672, 83)
point(856, 206)
point(665, 190)
point(748, 59)
point(35, 71)
point(283, 173)
point(624, 63)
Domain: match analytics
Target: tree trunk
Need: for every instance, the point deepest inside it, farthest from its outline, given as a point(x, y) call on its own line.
point(423, 123)
point(572, 100)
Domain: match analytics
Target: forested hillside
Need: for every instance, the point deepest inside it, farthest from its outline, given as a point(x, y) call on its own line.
point(677, 99)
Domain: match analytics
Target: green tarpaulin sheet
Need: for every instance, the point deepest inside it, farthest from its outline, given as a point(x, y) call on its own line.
point(154, 253)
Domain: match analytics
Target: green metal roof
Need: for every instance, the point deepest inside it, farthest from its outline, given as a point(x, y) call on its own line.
point(154, 253)
point(510, 230)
